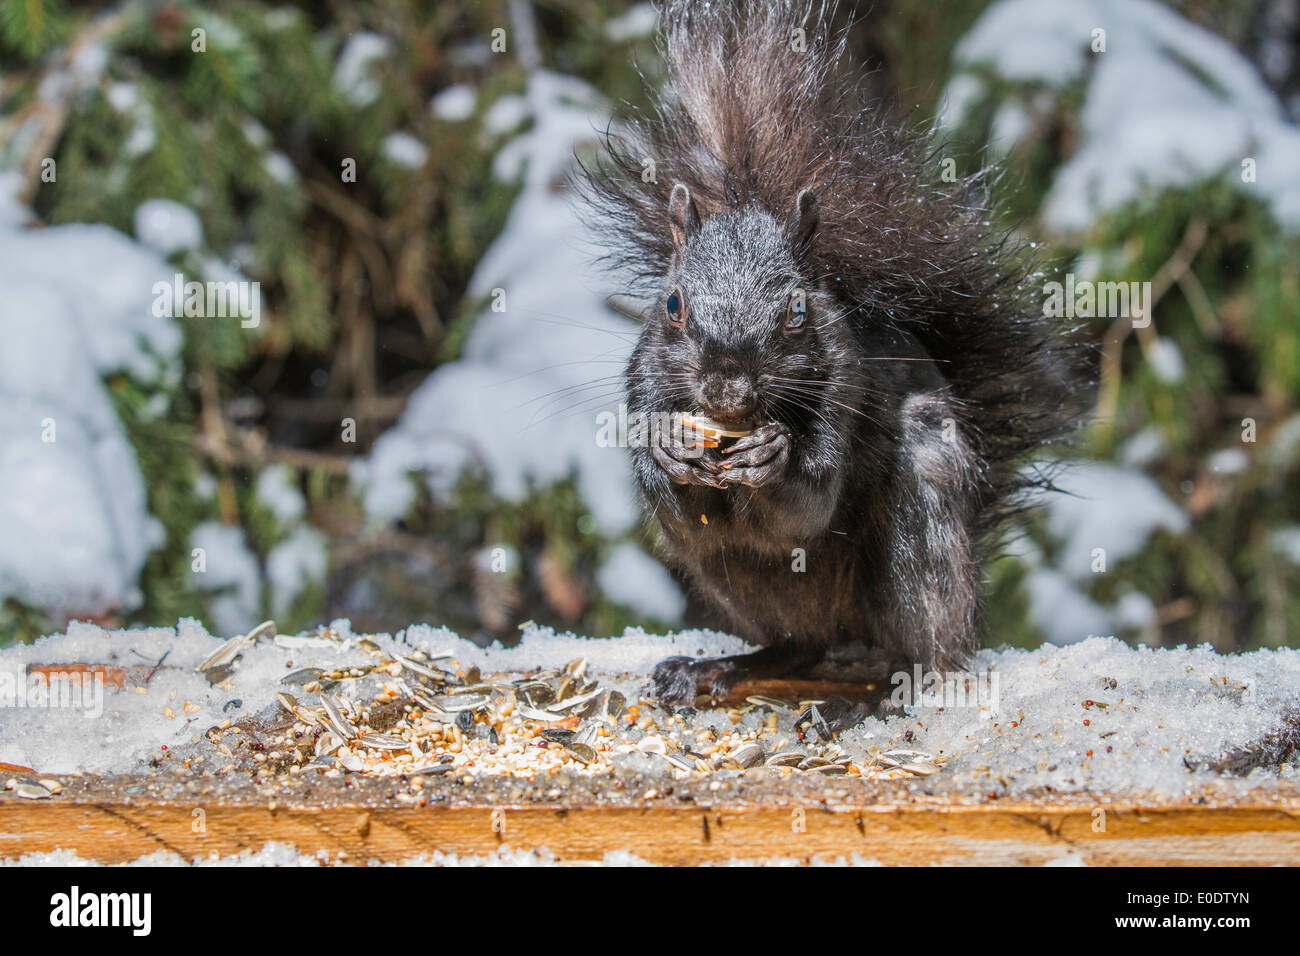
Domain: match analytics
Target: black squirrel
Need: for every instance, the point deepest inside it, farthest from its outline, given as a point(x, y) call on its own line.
point(818, 281)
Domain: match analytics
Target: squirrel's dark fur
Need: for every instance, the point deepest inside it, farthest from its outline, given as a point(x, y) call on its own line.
point(895, 418)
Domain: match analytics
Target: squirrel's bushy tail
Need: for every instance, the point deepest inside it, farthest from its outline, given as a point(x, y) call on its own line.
point(738, 121)
point(753, 111)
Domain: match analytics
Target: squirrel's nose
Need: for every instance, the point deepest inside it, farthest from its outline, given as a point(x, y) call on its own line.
point(728, 396)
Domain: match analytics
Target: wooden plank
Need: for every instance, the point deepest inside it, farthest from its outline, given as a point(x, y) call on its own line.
point(1014, 833)
point(795, 690)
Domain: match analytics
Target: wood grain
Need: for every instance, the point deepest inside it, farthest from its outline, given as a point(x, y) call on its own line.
point(800, 690)
point(1015, 833)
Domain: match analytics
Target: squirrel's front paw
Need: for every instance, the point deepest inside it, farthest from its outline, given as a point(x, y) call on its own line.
point(684, 464)
point(759, 458)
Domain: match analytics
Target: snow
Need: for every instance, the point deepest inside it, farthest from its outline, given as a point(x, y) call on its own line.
point(454, 104)
point(543, 360)
point(1286, 543)
point(960, 96)
point(504, 403)
point(82, 74)
point(106, 280)
point(506, 114)
point(635, 652)
point(1109, 507)
point(167, 226)
point(283, 854)
point(1135, 612)
point(1068, 859)
point(853, 859)
point(1286, 443)
point(1166, 361)
point(280, 168)
point(1166, 104)
point(632, 578)
point(1010, 124)
point(73, 518)
point(1063, 612)
point(1114, 508)
point(230, 574)
point(74, 525)
point(1148, 121)
point(1229, 461)
point(256, 134)
point(294, 564)
point(142, 139)
point(12, 212)
point(271, 854)
point(639, 21)
point(126, 99)
point(1165, 705)
point(1140, 711)
point(277, 489)
point(1145, 448)
point(405, 150)
point(523, 399)
point(352, 71)
point(123, 97)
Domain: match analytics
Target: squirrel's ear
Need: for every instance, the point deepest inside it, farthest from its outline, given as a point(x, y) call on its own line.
point(807, 215)
point(683, 217)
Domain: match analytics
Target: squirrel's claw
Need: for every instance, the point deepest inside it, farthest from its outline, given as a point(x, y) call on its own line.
point(675, 680)
point(679, 680)
point(684, 464)
point(762, 460)
point(760, 437)
point(683, 472)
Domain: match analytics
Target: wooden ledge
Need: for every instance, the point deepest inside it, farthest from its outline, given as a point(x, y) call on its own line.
point(919, 829)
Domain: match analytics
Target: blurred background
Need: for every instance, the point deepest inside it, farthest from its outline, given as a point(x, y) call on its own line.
point(406, 429)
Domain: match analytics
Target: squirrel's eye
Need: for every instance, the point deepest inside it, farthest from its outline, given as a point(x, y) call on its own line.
point(796, 314)
point(676, 308)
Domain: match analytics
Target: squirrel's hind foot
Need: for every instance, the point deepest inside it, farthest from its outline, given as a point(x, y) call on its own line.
point(679, 680)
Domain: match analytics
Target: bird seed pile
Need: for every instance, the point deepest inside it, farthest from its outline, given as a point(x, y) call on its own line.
point(423, 713)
